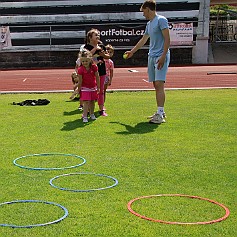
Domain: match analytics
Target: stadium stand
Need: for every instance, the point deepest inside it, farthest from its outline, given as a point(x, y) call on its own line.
point(50, 30)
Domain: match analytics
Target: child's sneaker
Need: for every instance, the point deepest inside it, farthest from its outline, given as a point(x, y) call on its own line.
point(93, 117)
point(80, 107)
point(85, 119)
point(157, 119)
point(103, 113)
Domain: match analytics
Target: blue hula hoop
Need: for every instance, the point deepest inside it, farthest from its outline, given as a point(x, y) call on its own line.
point(49, 154)
point(88, 190)
point(36, 225)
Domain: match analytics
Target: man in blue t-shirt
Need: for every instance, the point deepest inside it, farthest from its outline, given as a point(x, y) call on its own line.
point(157, 30)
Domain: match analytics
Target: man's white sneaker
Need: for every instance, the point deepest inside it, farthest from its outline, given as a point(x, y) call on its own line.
point(150, 117)
point(157, 119)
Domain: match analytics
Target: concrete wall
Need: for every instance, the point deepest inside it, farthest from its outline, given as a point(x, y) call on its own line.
point(200, 50)
point(66, 59)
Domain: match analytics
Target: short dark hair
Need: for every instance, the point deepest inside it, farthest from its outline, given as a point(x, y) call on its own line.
point(151, 4)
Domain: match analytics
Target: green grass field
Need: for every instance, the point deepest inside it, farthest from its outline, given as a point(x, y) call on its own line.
point(194, 153)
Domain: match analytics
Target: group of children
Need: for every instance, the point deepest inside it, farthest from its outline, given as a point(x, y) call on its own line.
point(93, 74)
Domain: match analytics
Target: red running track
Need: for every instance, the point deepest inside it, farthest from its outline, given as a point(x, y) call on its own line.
point(189, 77)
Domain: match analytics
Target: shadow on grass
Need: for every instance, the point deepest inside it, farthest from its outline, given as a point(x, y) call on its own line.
point(65, 113)
point(76, 99)
point(140, 128)
point(71, 125)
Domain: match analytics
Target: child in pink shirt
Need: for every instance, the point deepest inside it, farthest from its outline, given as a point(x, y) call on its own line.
point(88, 85)
point(109, 64)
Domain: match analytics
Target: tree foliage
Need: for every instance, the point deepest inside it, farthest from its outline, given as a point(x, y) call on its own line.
point(222, 9)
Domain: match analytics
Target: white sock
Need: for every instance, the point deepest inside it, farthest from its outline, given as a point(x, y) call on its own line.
point(160, 110)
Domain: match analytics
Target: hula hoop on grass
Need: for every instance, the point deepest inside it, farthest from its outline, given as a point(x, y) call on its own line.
point(227, 212)
point(81, 173)
point(36, 225)
point(49, 154)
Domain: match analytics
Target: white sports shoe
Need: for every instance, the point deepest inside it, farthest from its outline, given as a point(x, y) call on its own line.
point(150, 117)
point(80, 107)
point(85, 120)
point(157, 119)
point(93, 117)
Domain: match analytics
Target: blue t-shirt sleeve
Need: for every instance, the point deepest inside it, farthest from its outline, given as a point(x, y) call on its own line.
point(163, 23)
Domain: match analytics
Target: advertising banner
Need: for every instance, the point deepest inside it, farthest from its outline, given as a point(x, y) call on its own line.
point(120, 35)
point(181, 34)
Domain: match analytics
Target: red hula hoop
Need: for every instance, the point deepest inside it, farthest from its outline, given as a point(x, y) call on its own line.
point(227, 212)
